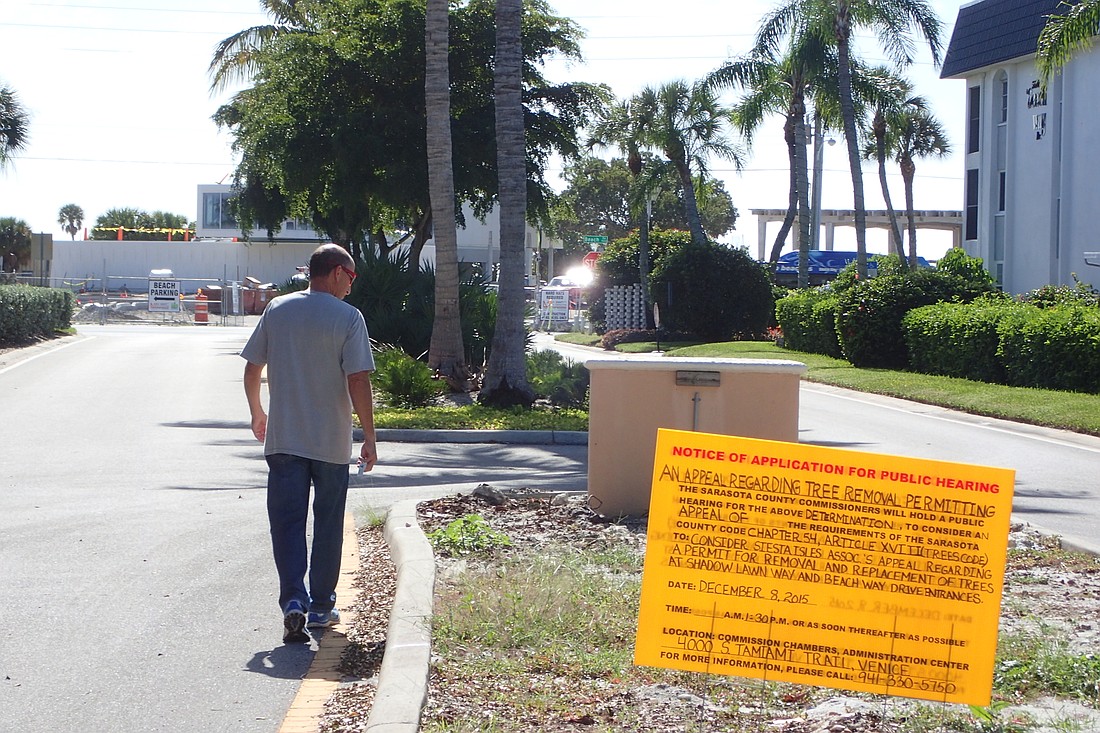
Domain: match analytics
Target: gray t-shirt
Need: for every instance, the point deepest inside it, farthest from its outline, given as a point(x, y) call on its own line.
point(310, 342)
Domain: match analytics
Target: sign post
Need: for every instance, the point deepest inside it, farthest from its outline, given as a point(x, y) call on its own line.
point(821, 566)
point(164, 296)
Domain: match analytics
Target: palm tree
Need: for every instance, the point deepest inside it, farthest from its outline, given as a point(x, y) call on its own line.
point(685, 122)
point(15, 243)
point(916, 134)
point(445, 354)
point(1065, 35)
point(892, 21)
point(622, 126)
point(71, 218)
point(236, 58)
point(893, 98)
point(782, 86)
point(505, 383)
point(13, 125)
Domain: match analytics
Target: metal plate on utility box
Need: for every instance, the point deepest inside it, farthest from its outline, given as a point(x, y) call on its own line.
point(698, 379)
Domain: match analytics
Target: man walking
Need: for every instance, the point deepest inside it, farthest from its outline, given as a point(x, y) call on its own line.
point(318, 359)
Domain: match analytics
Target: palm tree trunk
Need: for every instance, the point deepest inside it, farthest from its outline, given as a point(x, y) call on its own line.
point(908, 173)
point(792, 194)
point(803, 188)
point(643, 255)
point(691, 206)
point(880, 155)
point(505, 382)
point(848, 115)
point(445, 353)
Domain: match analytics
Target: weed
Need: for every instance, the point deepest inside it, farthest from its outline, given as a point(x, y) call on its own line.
point(467, 535)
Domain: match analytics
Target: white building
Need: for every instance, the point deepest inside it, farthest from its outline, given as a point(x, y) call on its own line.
point(1031, 158)
point(478, 242)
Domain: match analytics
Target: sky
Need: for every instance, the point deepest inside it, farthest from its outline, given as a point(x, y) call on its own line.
point(120, 103)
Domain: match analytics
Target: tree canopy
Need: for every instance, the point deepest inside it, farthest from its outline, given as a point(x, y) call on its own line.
point(14, 124)
point(333, 127)
point(598, 194)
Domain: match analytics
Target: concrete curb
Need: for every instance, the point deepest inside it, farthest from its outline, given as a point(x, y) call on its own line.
point(519, 437)
point(403, 677)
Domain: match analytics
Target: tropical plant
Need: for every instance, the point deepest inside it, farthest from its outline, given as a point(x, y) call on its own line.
point(623, 127)
point(892, 21)
point(402, 380)
point(916, 134)
point(237, 58)
point(782, 85)
point(1066, 34)
point(71, 218)
point(445, 354)
point(686, 123)
point(14, 125)
point(893, 100)
point(15, 243)
point(505, 383)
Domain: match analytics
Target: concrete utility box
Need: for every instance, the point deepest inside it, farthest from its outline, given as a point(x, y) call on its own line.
point(631, 397)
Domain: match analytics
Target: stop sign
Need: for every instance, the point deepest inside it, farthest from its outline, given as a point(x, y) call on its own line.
point(590, 259)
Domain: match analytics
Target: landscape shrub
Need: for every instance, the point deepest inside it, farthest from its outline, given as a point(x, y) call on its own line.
point(402, 380)
point(958, 339)
point(561, 381)
point(1050, 296)
point(715, 292)
point(1052, 348)
point(28, 312)
point(616, 336)
point(869, 314)
point(808, 321)
point(399, 305)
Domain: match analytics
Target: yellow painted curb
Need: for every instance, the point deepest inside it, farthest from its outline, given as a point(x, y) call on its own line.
point(323, 678)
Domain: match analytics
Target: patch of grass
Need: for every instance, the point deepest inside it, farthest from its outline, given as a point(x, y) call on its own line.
point(1030, 665)
point(480, 417)
point(645, 347)
point(580, 339)
point(1051, 408)
point(369, 516)
point(545, 636)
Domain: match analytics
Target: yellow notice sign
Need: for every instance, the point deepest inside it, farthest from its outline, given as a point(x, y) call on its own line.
point(820, 566)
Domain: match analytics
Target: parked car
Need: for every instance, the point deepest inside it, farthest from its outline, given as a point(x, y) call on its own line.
point(824, 266)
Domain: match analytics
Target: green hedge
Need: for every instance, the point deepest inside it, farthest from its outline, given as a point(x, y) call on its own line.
point(27, 312)
point(1053, 348)
point(808, 321)
point(958, 340)
point(1009, 343)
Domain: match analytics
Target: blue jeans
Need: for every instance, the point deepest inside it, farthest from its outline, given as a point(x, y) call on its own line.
point(288, 482)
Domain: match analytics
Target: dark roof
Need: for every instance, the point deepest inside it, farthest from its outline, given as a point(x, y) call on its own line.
point(992, 31)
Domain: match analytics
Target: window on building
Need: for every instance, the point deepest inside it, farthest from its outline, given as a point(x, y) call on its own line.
point(216, 213)
point(971, 219)
point(1001, 186)
point(1003, 79)
point(974, 119)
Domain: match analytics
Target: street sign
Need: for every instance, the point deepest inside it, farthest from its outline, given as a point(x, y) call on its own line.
point(595, 239)
point(164, 296)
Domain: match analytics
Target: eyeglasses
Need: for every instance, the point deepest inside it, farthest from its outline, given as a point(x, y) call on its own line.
point(349, 272)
